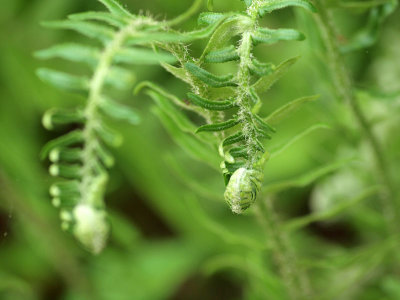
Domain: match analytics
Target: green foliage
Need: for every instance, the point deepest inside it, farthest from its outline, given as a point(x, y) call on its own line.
point(369, 34)
point(239, 137)
point(315, 180)
point(81, 155)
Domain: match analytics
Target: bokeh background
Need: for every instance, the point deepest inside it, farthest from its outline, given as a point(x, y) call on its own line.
point(173, 237)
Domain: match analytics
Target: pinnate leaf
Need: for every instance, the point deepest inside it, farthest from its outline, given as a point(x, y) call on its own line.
point(209, 78)
point(92, 30)
point(218, 126)
point(265, 83)
point(287, 109)
point(63, 80)
point(118, 111)
point(210, 104)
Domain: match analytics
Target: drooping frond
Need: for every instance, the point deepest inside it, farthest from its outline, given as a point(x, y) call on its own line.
point(81, 157)
point(230, 103)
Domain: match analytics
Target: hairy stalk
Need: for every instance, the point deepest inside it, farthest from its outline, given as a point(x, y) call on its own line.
point(245, 112)
point(294, 277)
point(90, 158)
point(343, 86)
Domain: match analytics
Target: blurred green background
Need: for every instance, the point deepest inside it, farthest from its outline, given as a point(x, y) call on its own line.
point(173, 237)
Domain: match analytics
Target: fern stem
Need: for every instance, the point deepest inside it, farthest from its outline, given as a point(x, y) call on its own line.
point(296, 281)
point(90, 159)
point(245, 113)
point(344, 87)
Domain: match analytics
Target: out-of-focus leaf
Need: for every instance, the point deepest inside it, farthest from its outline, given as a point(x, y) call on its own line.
point(63, 80)
point(156, 268)
point(298, 223)
point(368, 35)
point(167, 101)
point(279, 4)
point(210, 5)
point(70, 138)
point(193, 146)
point(218, 229)
point(120, 78)
point(143, 56)
point(100, 16)
point(119, 111)
point(190, 181)
point(287, 109)
point(265, 83)
point(92, 30)
point(365, 4)
point(304, 179)
point(281, 148)
point(71, 52)
point(116, 8)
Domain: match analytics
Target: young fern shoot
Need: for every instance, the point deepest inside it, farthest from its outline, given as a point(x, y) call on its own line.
point(240, 137)
point(81, 156)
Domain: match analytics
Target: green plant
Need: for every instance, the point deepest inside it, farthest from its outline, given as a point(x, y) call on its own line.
point(227, 116)
point(81, 198)
point(239, 134)
point(80, 155)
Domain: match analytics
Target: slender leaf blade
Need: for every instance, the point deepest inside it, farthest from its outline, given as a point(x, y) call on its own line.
point(279, 4)
point(119, 111)
point(141, 56)
point(265, 83)
point(92, 30)
point(116, 8)
point(72, 52)
point(289, 108)
point(63, 80)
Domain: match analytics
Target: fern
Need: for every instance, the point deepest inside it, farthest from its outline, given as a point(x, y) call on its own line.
point(230, 103)
point(81, 156)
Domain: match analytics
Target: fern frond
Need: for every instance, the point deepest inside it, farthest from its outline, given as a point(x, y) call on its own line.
point(240, 136)
point(81, 157)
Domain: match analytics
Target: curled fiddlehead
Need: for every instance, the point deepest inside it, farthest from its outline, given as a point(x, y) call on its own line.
point(230, 103)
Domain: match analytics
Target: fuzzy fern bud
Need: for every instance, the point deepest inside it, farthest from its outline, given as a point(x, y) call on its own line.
point(242, 189)
point(91, 227)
